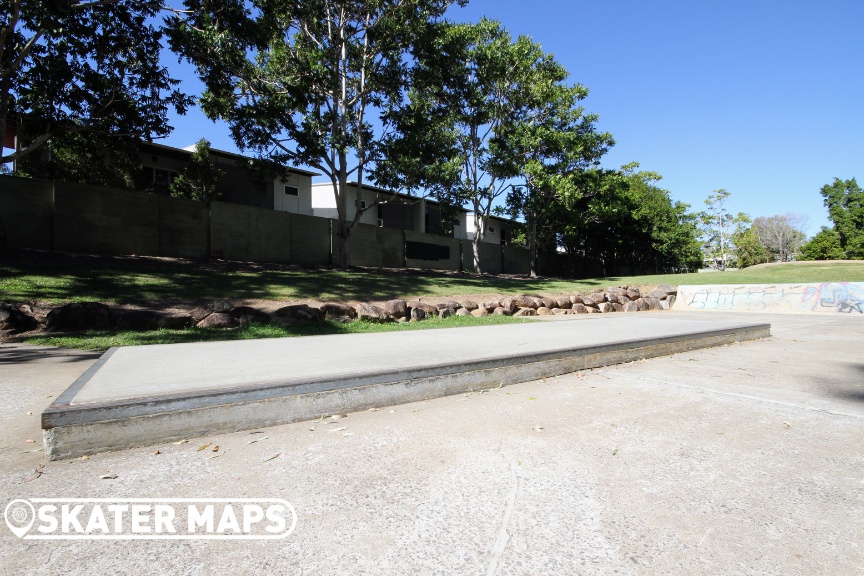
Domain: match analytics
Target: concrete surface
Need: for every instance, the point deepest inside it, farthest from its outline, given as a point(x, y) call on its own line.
point(740, 459)
point(139, 395)
point(816, 298)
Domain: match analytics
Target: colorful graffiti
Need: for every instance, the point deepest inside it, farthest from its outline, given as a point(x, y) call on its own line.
point(828, 297)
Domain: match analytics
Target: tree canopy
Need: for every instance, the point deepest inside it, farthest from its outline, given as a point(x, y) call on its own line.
point(845, 203)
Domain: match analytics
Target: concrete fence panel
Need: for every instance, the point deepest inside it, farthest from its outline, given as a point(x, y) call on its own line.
point(310, 240)
point(27, 212)
point(550, 264)
point(432, 252)
point(184, 228)
point(374, 246)
point(247, 233)
point(517, 260)
point(490, 257)
point(100, 220)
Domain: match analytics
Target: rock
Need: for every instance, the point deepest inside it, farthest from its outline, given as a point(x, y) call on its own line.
point(446, 312)
point(470, 305)
point(664, 304)
point(616, 307)
point(479, 312)
point(576, 299)
point(396, 308)
point(671, 300)
point(642, 304)
point(598, 297)
point(336, 310)
point(590, 310)
point(631, 306)
point(299, 312)
point(523, 301)
point(491, 305)
point(548, 302)
point(538, 302)
point(152, 320)
point(219, 306)
point(623, 299)
point(611, 298)
point(563, 302)
point(252, 314)
point(417, 314)
point(544, 311)
point(525, 312)
point(219, 320)
point(653, 303)
point(616, 290)
point(347, 319)
point(560, 311)
point(14, 320)
point(463, 312)
point(501, 311)
point(668, 288)
point(200, 313)
point(447, 304)
point(658, 294)
point(80, 316)
point(589, 302)
point(508, 304)
point(605, 307)
point(633, 293)
point(402, 320)
point(579, 309)
point(371, 313)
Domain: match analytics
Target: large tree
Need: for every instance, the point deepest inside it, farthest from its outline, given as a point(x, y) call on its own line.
point(89, 66)
point(305, 82)
point(845, 203)
point(717, 227)
point(781, 235)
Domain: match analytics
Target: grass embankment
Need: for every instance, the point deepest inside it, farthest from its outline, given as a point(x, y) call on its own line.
point(52, 279)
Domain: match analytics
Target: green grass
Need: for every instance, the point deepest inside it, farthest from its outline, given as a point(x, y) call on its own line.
point(97, 340)
point(54, 278)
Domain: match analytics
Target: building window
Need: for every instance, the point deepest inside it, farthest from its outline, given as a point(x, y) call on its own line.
point(491, 230)
point(292, 191)
point(362, 204)
point(163, 177)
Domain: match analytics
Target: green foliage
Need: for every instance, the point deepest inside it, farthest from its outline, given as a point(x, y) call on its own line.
point(70, 67)
point(717, 227)
point(823, 246)
point(749, 251)
point(845, 203)
point(200, 179)
point(302, 83)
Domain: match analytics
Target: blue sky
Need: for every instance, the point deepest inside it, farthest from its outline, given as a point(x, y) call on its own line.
point(762, 98)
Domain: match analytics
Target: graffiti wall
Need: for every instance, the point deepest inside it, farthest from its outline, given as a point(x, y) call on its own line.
point(825, 298)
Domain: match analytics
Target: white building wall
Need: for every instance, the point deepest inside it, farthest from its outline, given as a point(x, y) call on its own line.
point(493, 227)
point(300, 204)
point(324, 203)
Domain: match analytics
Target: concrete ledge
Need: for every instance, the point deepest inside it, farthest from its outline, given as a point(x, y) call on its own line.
point(97, 414)
point(816, 298)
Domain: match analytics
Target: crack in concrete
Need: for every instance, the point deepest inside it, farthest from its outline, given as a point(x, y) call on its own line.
point(503, 535)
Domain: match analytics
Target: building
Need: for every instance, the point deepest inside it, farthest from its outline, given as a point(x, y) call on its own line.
point(394, 210)
point(290, 191)
point(498, 230)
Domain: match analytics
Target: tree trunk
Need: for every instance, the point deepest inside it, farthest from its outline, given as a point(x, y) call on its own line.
point(532, 243)
point(343, 228)
point(475, 241)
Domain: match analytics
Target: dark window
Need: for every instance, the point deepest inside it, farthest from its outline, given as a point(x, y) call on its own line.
point(426, 251)
point(292, 191)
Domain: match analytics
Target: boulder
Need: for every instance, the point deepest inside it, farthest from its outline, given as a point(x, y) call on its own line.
point(580, 309)
point(491, 305)
point(590, 310)
point(501, 311)
point(668, 288)
point(219, 320)
point(298, 312)
point(447, 304)
point(658, 294)
point(643, 305)
point(631, 306)
point(152, 320)
point(479, 312)
point(538, 302)
point(671, 300)
point(463, 312)
point(427, 308)
point(544, 311)
point(605, 307)
point(576, 299)
point(589, 302)
point(14, 320)
point(336, 310)
point(653, 303)
point(446, 312)
point(563, 302)
point(525, 312)
point(523, 301)
point(80, 316)
point(371, 313)
point(396, 308)
point(251, 314)
point(598, 297)
point(612, 298)
point(470, 305)
point(560, 311)
point(200, 313)
point(633, 293)
point(616, 307)
point(508, 304)
point(219, 306)
point(417, 314)
point(664, 304)
point(548, 302)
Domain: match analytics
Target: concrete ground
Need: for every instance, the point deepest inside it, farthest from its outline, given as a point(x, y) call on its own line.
point(741, 459)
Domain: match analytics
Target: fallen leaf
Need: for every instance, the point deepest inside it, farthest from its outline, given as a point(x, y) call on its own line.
point(338, 429)
point(215, 448)
point(30, 441)
point(108, 476)
point(312, 429)
point(614, 452)
point(216, 455)
point(374, 409)
point(257, 432)
point(37, 473)
point(787, 425)
point(273, 457)
point(85, 457)
point(338, 416)
point(255, 440)
point(204, 447)
point(538, 428)
point(531, 398)
point(156, 453)
point(178, 442)
point(29, 413)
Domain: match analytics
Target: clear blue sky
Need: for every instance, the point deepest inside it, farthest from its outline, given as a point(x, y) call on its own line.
point(764, 98)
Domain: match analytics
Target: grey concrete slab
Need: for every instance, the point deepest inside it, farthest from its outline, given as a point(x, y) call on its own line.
point(140, 395)
point(739, 459)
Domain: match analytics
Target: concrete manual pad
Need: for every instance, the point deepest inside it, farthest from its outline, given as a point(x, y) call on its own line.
point(140, 395)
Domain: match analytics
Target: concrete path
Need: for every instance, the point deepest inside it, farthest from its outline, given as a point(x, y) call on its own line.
point(138, 395)
point(739, 459)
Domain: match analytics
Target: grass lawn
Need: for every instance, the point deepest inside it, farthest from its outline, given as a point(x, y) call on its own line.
point(55, 278)
point(104, 340)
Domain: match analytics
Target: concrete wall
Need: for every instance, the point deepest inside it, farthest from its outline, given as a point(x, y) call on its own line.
point(825, 298)
point(248, 233)
point(517, 260)
point(310, 240)
point(433, 252)
point(100, 220)
point(374, 246)
point(490, 257)
point(27, 212)
point(184, 228)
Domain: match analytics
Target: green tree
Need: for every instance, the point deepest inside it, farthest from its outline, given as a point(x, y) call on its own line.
point(717, 226)
point(825, 245)
point(89, 66)
point(749, 251)
point(845, 203)
point(303, 82)
point(200, 179)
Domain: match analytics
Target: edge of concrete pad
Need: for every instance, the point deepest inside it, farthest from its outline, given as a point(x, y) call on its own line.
point(74, 430)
